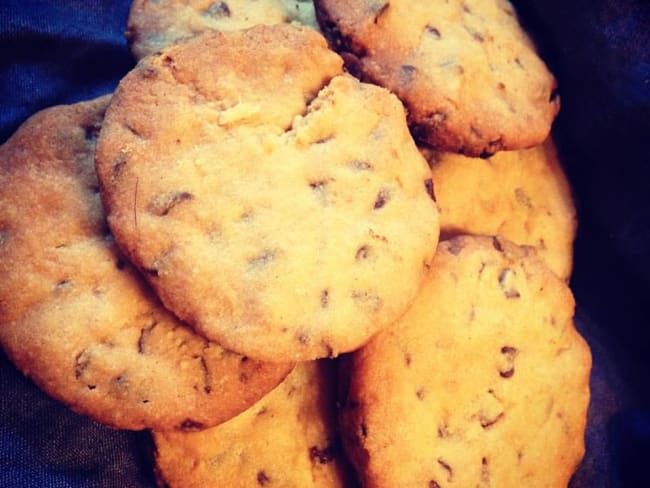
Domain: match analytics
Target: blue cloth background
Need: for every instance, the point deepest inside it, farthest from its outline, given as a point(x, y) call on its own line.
point(67, 51)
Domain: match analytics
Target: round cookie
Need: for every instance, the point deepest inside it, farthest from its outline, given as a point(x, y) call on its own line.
point(74, 314)
point(523, 196)
point(466, 71)
point(269, 199)
point(483, 382)
point(287, 439)
point(154, 25)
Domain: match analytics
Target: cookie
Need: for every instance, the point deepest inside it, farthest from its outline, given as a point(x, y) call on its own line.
point(483, 382)
point(77, 318)
point(467, 72)
point(287, 439)
point(269, 199)
point(523, 196)
point(154, 25)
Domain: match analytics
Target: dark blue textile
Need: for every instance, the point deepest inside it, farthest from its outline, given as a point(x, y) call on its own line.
point(66, 51)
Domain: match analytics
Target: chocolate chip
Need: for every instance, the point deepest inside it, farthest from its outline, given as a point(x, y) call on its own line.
point(92, 131)
point(132, 130)
point(319, 189)
point(262, 478)
point(144, 336)
point(507, 373)
point(378, 8)
point(207, 376)
point(324, 298)
point(420, 394)
point(447, 468)
point(507, 368)
point(81, 363)
point(433, 31)
point(364, 430)
point(317, 185)
point(63, 285)
point(487, 422)
point(508, 291)
point(496, 243)
point(382, 198)
point(362, 253)
point(189, 425)
point(218, 9)
point(163, 204)
point(428, 186)
point(485, 471)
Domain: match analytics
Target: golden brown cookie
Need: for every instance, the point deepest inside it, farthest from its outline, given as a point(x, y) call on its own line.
point(483, 382)
point(287, 439)
point(468, 74)
point(523, 196)
point(154, 25)
point(269, 199)
point(74, 314)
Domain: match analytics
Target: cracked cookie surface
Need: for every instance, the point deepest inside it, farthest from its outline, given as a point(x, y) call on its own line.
point(523, 196)
point(77, 318)
point(483, 382)
point(269, 199)
point(466, 71)
point(287, 439)
point(154, 25)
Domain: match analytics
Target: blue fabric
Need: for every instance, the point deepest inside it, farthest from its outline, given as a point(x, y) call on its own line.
point(66, 51)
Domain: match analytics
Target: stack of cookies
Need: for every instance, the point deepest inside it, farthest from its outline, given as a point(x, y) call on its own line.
point(307, 260)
